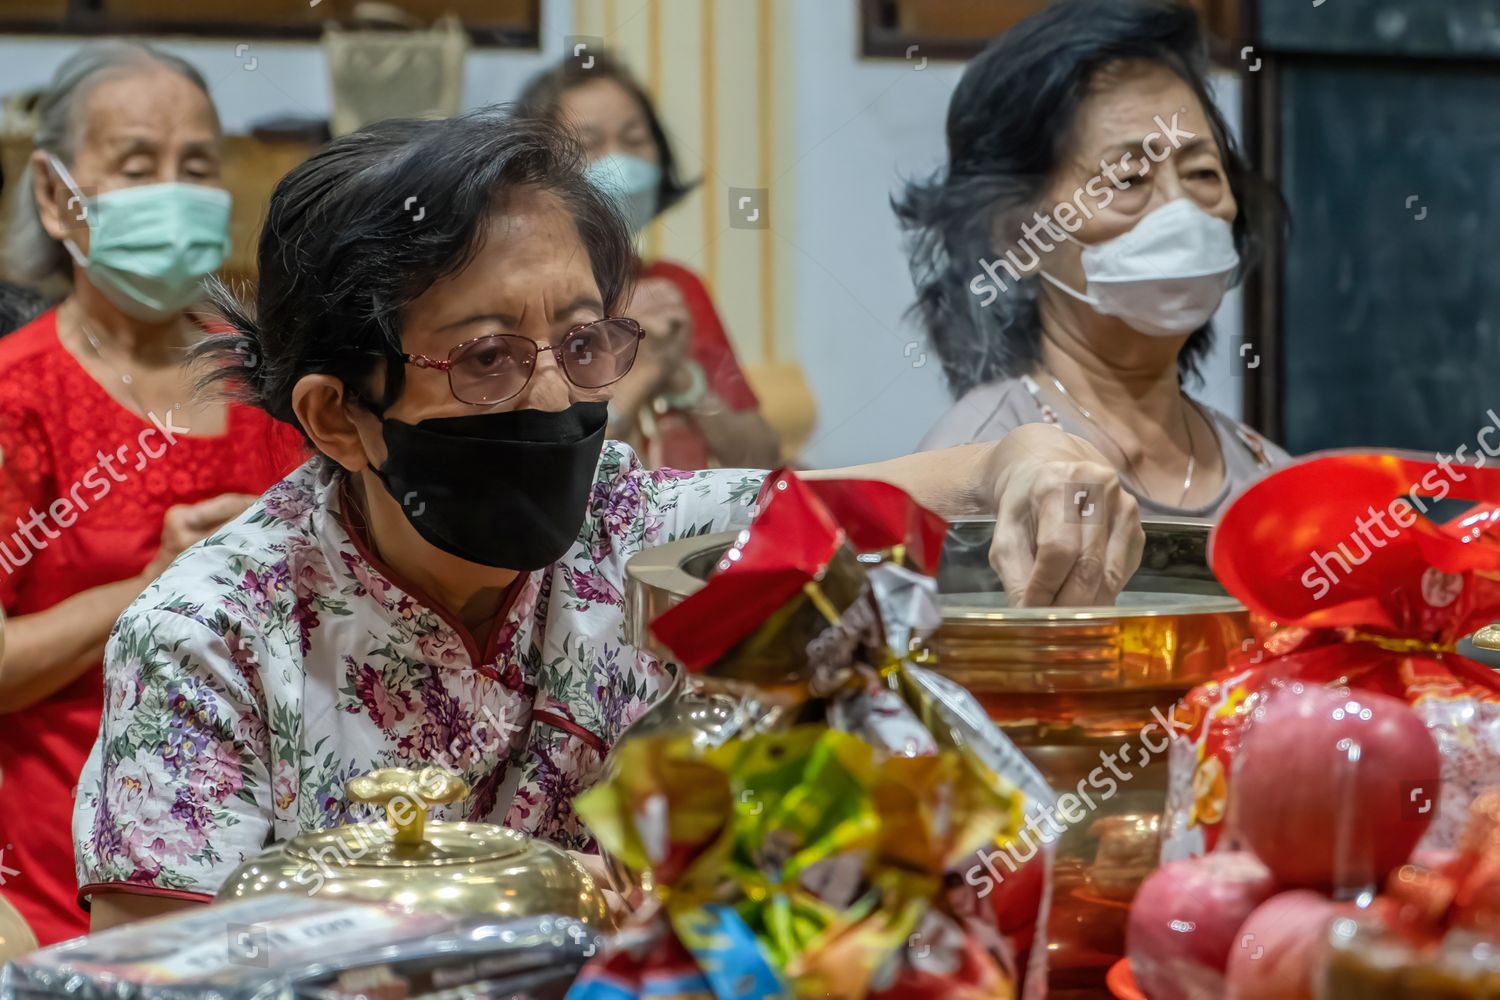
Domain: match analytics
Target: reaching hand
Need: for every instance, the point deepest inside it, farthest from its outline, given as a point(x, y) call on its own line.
point(1066, 532)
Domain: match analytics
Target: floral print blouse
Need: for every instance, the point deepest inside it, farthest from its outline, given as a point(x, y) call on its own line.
point(276, 660)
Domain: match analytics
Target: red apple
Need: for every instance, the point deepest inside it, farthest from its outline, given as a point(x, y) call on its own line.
point(1280, 948)
point(1185, 920)
point(1333, 788)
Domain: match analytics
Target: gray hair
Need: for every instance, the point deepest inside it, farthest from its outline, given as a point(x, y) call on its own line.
point(31, 254)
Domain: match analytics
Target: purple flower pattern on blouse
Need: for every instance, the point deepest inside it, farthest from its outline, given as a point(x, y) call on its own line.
point(274, 662)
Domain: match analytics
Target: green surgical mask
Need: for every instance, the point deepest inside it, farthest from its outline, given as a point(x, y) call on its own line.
point(150, 247)
point(634, 184)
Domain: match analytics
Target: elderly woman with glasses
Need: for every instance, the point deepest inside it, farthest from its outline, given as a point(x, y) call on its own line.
point(442, 583)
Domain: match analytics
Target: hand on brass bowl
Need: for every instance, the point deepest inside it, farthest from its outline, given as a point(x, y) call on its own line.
point(1172, 627)
point(466, 868)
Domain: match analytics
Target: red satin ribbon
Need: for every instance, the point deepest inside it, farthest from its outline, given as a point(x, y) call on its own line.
point(799, 527)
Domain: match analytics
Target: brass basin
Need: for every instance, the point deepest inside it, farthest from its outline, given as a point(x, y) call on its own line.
point(1091, 672)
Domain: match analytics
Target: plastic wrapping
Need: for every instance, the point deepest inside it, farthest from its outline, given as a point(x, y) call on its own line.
point(1436, 930)
point(1337, 603)
point(1333, 789)
point(815, 613)
point(803, 860)
point(279, 948)
point(1185, 919)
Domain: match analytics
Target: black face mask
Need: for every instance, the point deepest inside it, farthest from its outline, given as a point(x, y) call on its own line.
point(500, 489)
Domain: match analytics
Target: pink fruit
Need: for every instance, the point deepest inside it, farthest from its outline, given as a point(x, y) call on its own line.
point(1334, 788)
point(1184, 922)
point(1280, 948)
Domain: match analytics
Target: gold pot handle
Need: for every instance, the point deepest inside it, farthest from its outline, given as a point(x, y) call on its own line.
point(406, 796)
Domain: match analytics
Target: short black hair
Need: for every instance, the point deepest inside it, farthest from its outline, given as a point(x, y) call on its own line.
point(543, 99)
point(1010, 123)
point(374, 219)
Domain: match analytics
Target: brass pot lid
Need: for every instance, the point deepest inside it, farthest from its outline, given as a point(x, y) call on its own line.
point(367, 845)
point(1488, 637)
point(407, 839)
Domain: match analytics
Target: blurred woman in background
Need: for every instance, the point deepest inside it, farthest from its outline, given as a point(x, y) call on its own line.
point(111, 467)
point(1069, 257)
point(686, 400)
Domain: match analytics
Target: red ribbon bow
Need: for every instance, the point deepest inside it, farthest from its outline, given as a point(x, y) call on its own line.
point(798, 528)
point(1343, 558)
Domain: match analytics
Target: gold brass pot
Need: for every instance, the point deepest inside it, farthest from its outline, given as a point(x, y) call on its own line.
point(461, 868)
point(1065, 684)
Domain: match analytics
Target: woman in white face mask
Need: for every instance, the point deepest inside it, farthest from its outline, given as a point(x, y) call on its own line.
point(686, 404)
point(1070, 257)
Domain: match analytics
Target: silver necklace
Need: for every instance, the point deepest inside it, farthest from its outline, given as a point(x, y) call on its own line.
point(124, 377)
point(1187, 425)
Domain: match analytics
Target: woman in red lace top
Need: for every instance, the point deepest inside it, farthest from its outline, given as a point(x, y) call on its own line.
point(686, 404)
point(109, 465)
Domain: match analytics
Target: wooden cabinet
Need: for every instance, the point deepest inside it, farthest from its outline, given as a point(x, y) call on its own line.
point(252, 169)
point(40, 11)
point(957, 29)
point(980, 21)
point(491, 22)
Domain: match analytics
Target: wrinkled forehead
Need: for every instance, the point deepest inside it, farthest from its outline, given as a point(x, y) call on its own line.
point(529, 271)
point(147, 106)
point(1129, 100)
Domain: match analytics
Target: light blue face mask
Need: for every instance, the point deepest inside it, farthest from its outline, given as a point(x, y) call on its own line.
point(150, 247)
point(634, 184)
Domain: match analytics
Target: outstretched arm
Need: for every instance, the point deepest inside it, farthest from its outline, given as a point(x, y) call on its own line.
point(1066, 532)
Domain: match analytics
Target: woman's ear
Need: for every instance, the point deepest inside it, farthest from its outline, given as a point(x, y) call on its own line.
point(50, 194)
point(338, 425)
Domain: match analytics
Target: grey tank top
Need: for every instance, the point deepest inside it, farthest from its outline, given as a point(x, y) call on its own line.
point(991, 411)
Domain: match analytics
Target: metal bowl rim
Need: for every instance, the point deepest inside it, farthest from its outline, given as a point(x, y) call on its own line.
point(660, 568)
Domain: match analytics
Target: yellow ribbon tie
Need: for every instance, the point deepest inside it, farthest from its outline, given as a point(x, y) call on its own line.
point(821, 602)
point(1396, 644)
